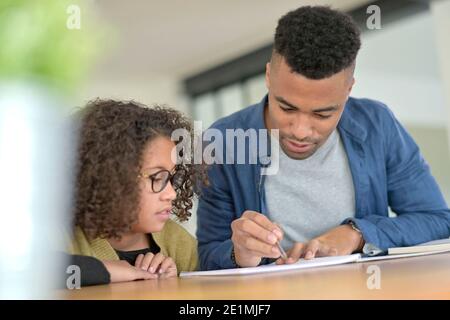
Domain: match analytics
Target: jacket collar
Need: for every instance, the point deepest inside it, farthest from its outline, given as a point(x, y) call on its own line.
point(349, 123)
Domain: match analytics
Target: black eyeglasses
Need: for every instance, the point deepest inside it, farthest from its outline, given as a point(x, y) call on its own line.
point(160, 179)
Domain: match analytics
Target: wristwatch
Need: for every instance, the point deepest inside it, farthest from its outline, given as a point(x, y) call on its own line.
point(233, 258)
point(354, 227)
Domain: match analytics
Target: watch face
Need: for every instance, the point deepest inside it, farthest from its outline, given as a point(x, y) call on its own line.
point(354, 227)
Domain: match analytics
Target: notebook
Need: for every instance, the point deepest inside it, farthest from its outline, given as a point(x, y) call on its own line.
point(437, 245)
point(433, 247)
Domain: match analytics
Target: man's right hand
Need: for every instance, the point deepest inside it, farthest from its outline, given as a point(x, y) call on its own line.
point(254, 236)
point(123, 271)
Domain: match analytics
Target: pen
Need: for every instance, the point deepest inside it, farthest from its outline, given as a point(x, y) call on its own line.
point(283, 253)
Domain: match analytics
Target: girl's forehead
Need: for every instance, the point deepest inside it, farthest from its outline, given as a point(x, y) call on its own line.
point(158, 154)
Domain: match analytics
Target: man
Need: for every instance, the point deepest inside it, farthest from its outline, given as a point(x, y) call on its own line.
point(342, 162)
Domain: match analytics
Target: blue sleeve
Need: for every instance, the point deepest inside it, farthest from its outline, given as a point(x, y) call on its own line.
point(413, 194)
point(214, 216)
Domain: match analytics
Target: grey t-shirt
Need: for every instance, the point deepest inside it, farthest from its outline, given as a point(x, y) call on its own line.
point(311, 196)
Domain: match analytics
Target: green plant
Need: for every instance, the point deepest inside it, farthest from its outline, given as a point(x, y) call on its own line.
point(35, 42)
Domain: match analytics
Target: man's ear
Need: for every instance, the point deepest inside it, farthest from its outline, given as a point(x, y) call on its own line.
point(351, 85)
point(267, 77)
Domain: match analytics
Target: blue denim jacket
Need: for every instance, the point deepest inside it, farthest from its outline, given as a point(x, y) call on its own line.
point(387, 169)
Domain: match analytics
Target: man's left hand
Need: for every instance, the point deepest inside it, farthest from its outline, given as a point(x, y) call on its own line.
point(342, 240)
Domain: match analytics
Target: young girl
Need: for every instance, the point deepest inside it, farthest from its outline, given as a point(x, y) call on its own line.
point(127, 186)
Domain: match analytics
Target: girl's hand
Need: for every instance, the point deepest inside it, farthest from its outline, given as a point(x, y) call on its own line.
point(157, 264)
point(121, 271)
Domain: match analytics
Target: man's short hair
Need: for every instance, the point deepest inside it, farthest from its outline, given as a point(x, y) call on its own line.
point(316, 41)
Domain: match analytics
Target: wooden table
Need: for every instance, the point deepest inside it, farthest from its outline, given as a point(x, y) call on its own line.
point(426, 277)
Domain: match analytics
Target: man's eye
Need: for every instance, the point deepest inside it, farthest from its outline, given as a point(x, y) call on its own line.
point(321, 116)
point(286, 109)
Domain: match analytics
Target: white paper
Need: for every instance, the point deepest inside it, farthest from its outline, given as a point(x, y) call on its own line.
point(301, 264)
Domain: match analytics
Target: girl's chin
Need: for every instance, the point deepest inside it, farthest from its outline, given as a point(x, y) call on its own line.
point(157, 226)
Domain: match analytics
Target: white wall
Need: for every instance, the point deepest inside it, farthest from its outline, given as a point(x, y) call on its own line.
point(399, 66)
point(441, 12)
point(154, 88)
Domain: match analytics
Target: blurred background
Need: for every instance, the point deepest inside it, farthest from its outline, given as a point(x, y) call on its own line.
point(203, 57)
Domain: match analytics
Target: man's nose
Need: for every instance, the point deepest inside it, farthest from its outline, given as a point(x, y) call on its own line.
point(302, 127)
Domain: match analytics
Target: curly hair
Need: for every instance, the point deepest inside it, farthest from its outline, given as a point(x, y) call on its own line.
point(317, 41)
point(112, 138)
